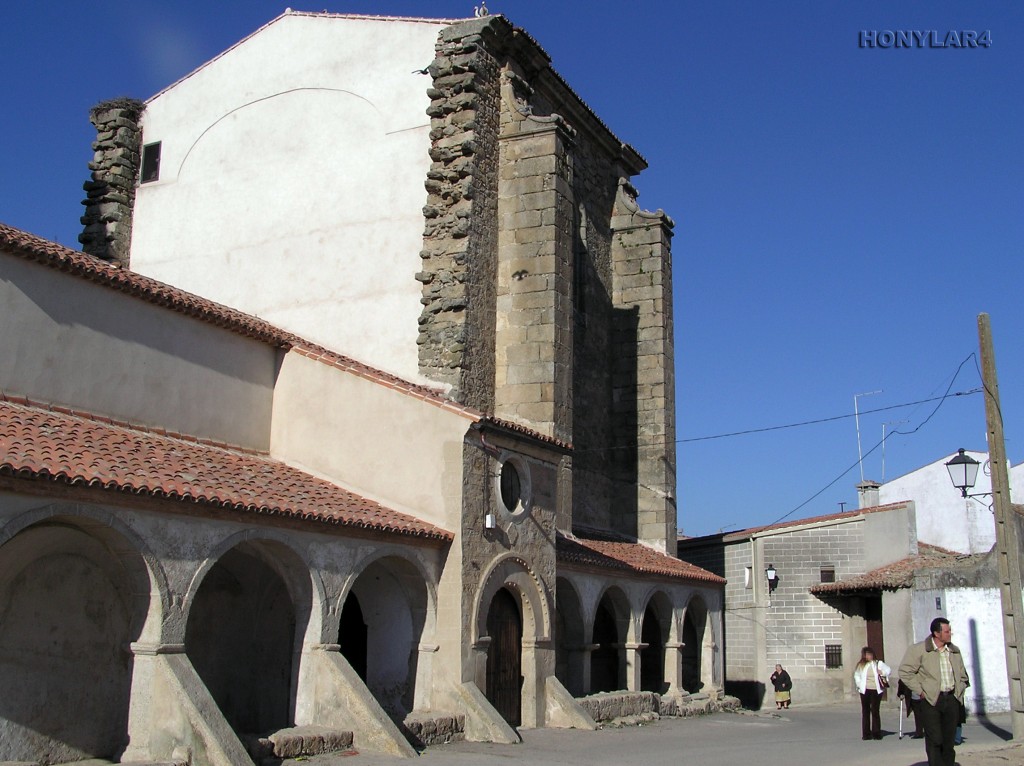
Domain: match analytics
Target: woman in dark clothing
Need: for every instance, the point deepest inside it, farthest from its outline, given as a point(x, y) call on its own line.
point(783, 685)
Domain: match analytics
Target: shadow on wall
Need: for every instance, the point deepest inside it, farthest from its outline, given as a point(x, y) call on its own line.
point(749, 693)
point(978, 684)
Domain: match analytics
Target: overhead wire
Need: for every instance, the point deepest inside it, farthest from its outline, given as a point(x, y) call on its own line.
point(941, 400)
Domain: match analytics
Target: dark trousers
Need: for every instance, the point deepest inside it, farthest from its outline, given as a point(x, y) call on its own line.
point(915, 708)
point(940, 721)
point(870, 719)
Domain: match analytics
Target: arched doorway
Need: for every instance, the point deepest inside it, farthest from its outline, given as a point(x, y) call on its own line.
point(505, 657)
point(380, 629)
point(241, 636)
point(71, 601)
point(694, 637)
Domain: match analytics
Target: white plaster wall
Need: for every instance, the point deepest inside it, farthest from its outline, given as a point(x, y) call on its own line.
point(68, 341)
point(944, 518)
point(889, 536)
point(974, 616)
point(291, 182)
point(378, 442)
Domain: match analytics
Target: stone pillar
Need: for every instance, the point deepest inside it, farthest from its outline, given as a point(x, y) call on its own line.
point(674, 666)
point(424, 676)
point(633, 661)
point(645, 395)
point(140, 708)
point(111, 190)
point(533, 368)
point(587, 650)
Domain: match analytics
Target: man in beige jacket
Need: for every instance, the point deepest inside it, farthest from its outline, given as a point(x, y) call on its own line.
point(934, 669)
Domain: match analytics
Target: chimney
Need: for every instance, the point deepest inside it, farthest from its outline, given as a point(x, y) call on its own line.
point(867, 493)
point(110, 194)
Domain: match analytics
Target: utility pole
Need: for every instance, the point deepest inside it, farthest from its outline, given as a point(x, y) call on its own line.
point(1008, 551)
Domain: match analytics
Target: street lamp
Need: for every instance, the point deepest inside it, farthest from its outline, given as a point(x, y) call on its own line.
point(773, 577)
point(963, 471)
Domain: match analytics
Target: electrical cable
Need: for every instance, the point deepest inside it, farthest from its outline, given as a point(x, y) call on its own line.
point(921, 425)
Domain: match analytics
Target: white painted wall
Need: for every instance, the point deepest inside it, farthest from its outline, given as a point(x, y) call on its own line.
point(944, 518)
point(291, 182)
point(974, 616)
point(71, 342)
point(383, 444)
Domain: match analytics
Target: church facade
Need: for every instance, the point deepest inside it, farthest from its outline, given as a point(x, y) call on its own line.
point(354, 418)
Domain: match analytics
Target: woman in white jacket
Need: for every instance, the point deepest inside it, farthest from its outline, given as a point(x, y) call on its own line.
point(871, 677)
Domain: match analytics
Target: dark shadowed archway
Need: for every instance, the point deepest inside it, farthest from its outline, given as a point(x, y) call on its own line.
point(242, 632)
point(607, 660)
point(74, 594)
point(569, 638)
point(381, 626)
point(654, 635)
point(695, 630)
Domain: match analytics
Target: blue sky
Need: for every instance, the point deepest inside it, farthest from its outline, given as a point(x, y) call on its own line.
point(842, 213)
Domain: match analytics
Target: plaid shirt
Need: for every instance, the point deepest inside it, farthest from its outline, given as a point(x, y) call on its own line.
point(946, 682)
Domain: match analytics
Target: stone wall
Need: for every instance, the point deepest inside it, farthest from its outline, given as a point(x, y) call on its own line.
point(456, 326)
point(115, 172)
point(547, 293)
point(644, 376)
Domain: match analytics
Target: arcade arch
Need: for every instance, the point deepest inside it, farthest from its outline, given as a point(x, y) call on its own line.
point(244, 632)
point(386, 615)
point(74, 594)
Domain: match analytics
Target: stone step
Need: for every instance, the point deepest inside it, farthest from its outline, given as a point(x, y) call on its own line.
point(298, 742)
point(426, 729)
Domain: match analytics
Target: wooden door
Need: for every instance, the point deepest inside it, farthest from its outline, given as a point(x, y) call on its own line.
point(505, 657)
point(873, 621)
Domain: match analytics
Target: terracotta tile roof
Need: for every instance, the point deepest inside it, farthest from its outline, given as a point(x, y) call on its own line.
point(604, 551)
point(60, 258)
point(508, 425)
point(78, 450)
point(899, 574)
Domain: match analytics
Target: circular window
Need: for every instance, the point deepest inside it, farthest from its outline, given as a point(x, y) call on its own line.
point(511, 486)
point(514, 487)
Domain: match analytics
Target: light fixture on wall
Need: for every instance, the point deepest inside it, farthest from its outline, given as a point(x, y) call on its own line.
point(963, 471)
point(773, 577)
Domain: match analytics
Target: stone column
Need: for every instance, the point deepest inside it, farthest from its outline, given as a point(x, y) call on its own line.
point(633, 665)
point(140, 708)
point(674, 666)
point(645, 410)
point(110, 192)
point(533, 370)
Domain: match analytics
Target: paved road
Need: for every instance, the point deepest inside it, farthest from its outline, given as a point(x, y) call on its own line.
point(810, 736)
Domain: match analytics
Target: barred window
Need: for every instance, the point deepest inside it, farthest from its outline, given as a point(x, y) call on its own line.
point(828, 574)
point(833, 655)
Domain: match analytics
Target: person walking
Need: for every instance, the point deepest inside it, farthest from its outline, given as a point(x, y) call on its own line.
point(871, 677)
point(934, 669)
point(783, 686)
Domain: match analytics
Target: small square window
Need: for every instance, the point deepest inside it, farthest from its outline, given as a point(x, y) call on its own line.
point(150, 163)
point(828, 574)
point(833, 655)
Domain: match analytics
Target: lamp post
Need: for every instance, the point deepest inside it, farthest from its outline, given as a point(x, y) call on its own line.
point(772, 576)
point(1007, 541)
point(963, 471)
